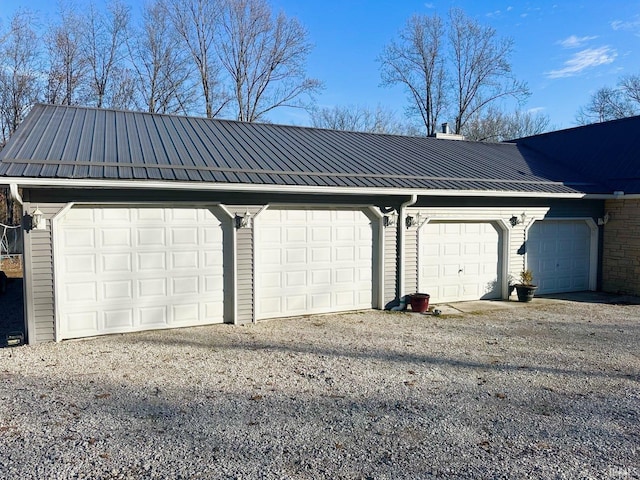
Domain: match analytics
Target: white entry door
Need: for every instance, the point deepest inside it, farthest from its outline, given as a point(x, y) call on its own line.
point(312, 261)
point(459, 261)
point(129, 269)
point(558, 254)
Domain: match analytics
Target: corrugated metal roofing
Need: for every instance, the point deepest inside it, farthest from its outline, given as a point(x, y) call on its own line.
point(87, 143)
point(608, 151)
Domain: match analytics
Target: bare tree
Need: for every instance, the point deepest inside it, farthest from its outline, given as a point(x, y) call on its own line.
point(630, 87)
point(196, 21)
point(611, 103)
point(495, 125)
point(482, 70)
point(104, 49)
point(478, 67)
point(163, 78)
point(606, 104)
point(20, 85)
point(417, 62)
point(358, 119)
point(264, 57)
point(68, 66)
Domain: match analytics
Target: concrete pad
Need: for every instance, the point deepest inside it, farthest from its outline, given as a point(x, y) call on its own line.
point(478, 306)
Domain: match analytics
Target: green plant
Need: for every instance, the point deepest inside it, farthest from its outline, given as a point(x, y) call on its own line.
point(526, 277)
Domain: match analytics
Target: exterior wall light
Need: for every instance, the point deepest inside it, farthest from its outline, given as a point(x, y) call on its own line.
point(604, 220)
point(412, 221)
point(517, 220)
point(244, 221)
point(390, 220)
point(38, 222)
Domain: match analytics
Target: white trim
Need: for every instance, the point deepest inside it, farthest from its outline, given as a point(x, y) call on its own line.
point(234, 261)
point(593, 244)
point(253, 265)
point(256, 257)
point(378, 214)
point(506, 258)
point(261, 188)
point(55, 254)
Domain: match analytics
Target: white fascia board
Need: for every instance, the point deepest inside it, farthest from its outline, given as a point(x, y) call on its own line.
point(262, 188)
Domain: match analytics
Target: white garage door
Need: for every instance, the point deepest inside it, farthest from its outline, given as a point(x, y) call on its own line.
point(129, 269)
point(459, 261)
point(558, 254)
point(312, 261)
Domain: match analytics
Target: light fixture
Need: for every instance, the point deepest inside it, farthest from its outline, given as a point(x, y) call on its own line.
point(38, 222)
point(244, 221)
point(517, 220)
point(390, 220)
point(604, 220)
point(412, 221)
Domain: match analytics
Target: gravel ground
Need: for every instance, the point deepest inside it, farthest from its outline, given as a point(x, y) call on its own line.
point(543, 391)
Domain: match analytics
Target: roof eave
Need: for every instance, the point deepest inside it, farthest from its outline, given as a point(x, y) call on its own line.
point(288, 189)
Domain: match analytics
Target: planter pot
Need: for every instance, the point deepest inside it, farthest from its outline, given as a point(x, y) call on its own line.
point(525, 292)
point(420, 302)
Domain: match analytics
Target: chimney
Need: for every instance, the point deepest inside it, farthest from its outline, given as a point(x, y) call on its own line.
point(446, 133)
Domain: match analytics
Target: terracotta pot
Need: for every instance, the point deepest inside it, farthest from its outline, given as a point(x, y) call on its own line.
point(420, 302)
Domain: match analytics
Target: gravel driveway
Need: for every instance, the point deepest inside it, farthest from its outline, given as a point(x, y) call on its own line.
point(542, 391)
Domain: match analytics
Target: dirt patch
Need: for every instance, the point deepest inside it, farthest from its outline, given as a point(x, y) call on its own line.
point(12, 266)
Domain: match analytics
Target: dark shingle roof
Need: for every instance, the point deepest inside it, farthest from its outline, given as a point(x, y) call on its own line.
point(61, 142)
point(608, 151)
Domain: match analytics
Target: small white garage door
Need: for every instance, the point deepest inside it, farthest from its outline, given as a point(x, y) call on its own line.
point(459, 261)
point(312, 261)
point(558, 254)
point(129, 269)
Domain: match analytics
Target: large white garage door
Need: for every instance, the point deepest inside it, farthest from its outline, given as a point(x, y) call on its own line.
point(558, 254)
point(459, 261)
point(129, 269)
point(312, 261)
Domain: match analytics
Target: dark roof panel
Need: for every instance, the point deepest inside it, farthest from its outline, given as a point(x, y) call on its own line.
point(608, 151)
point(87, 143)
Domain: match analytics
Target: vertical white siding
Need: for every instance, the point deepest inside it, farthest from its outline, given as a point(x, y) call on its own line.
point(38, 277)
point(245, 266)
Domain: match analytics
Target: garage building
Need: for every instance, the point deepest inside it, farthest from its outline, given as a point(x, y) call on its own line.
point(157, 221)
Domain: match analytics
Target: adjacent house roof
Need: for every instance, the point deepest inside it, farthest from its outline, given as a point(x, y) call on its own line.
point(77, 143)
point(609, 151)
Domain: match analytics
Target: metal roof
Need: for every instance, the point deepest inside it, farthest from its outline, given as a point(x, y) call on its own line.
point(608, 151)
point(66, 142)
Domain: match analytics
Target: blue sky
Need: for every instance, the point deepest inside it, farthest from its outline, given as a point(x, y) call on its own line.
point(564, 50)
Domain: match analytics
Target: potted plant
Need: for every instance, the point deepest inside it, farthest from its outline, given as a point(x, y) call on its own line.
point(525, 289)
point(420, 302)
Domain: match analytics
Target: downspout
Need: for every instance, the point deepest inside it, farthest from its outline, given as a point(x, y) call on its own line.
point(15, 194)
point(401, 247)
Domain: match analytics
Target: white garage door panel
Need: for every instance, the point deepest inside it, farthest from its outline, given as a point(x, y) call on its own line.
point(558, 253)
point(312, 261)
point(459, 261)
point(129, 269)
